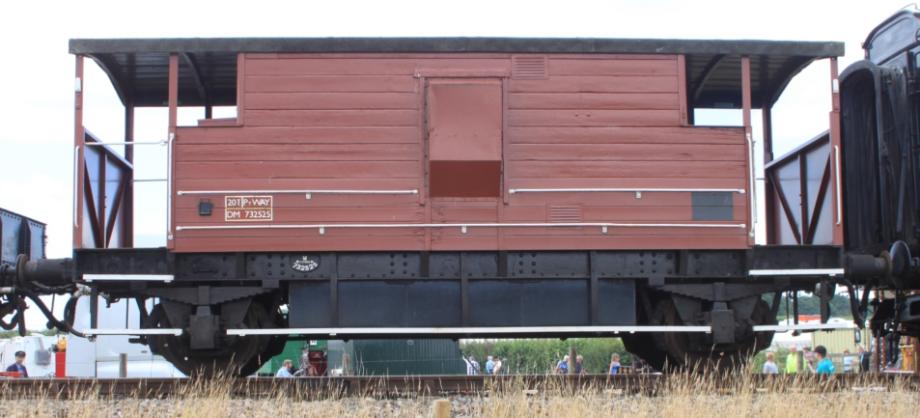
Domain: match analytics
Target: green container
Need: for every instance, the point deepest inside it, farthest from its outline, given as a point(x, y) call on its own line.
point(407, 357)
point(378, 357)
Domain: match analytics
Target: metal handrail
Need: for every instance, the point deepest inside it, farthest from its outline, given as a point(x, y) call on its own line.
point(839, 190)
point(169, 185)
point(130, 143)
point(308, 193)
point(618, 189)
point(752, 184)
point(133, 331)
point(612, 329)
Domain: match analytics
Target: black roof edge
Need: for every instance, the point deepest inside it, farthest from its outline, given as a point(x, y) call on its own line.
point(462, 44)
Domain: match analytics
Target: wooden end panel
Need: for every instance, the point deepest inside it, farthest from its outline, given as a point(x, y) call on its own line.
point(597, 101)
point(626, 169)
point(302, 135)
point(625, 135)
point(186, 152)
point(620, 65)
point(598, 84)
point(627, 152)
point(593, 117)
point(221, 171)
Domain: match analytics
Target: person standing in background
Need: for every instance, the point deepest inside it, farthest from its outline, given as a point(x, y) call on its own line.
point(498, 365)
point(18, 366)
point(562, 367)
point(476, 369)
point(863, 357)
point(809, 359)
point(286, 370)
point(614, 364)
point(579, 364)
point(792, 360)
point(469, 366)
point(490, 365)
point(769, 366)
point(848, 362)
point(825, 365)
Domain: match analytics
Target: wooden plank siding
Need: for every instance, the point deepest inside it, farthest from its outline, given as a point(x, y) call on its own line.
point(357, 121)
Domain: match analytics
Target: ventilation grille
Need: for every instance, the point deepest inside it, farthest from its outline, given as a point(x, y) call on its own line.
point(529, 67)
point(565, 213)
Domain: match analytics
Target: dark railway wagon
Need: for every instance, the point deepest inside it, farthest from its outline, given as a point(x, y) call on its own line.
point(452, 187)
point(21, 238)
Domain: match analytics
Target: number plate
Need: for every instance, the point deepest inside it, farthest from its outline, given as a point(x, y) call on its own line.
point(248, 208)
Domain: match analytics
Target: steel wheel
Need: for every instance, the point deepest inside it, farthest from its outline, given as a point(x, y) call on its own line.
point(237, 356)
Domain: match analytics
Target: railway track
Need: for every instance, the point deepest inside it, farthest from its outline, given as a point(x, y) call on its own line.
point(413, 386)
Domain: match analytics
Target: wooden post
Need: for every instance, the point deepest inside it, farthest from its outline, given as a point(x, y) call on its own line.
point(123, 365)
point(173, 100)
point(78, 170)
point(835, 156)
point(769, 192)
point(346, 364)
point(572, 355)
point(128, 198)
point(746, 115)
point(441, 408)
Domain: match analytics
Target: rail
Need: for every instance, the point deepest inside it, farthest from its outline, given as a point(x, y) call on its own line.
point(389, 387)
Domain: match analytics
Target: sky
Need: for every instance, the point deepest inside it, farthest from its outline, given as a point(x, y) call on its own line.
point(36, 101)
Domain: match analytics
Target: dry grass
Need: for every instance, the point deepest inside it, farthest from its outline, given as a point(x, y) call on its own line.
point(696, 395)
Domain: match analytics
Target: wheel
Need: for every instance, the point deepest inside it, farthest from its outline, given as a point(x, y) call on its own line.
point(236, 355)
point(643, 346)
point(695, 350)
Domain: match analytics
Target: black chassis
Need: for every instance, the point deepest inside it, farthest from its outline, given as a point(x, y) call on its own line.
point(344, 290)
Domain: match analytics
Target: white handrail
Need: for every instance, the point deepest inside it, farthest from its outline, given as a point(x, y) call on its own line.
point(618, 189)
point(307, 192)
point(802, 327)
point(837, 196)
point(463, 226)
point(614, 329)
point(169, 185)
point(133, 331)
point(76, 184)
point(752, 184)
point(129, 143)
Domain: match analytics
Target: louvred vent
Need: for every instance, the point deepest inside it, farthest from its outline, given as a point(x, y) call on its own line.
point(528, 67)
point(564, 213)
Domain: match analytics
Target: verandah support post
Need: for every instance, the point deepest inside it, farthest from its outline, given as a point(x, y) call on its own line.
point(769, 202)
point(835, 156)
point(78, 141)
point(746, 114)
point(128, 197)
point(173, 121)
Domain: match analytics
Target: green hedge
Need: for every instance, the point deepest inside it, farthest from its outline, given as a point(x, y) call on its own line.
point(541, 355)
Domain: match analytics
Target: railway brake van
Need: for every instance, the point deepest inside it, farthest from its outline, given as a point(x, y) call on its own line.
point(457, 187)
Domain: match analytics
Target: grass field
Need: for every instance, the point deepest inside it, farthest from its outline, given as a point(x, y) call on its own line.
point(686, 396)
